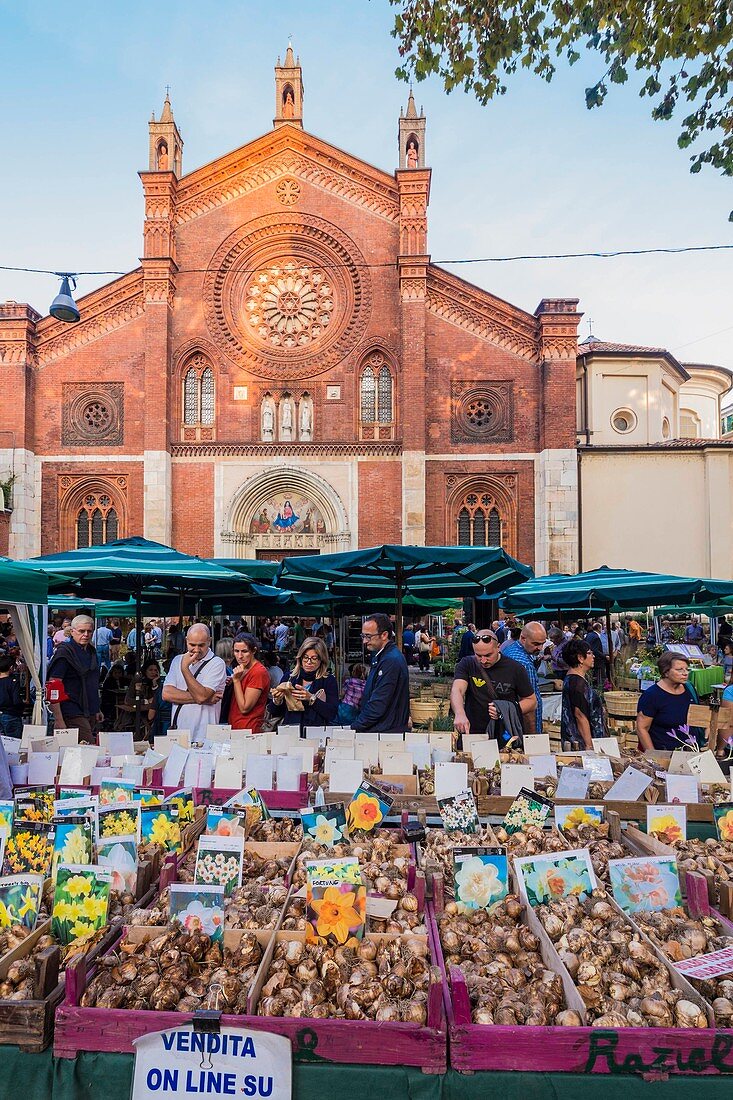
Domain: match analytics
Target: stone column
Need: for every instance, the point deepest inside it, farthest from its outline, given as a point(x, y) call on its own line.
point(556, 478)
point(17, 444)
point(159, 273)
point(413, 261)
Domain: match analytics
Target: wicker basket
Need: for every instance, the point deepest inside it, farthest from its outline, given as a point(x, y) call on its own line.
point(622, 704)
point(422, 710)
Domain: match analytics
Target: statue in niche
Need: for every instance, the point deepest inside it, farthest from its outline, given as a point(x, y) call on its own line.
point(286, 418)
point(306, 419)
point(163, 158)
point(289, 105)
point(268, 420)
point(412, 155)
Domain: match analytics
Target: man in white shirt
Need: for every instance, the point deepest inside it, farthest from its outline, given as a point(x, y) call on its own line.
point(195, 684)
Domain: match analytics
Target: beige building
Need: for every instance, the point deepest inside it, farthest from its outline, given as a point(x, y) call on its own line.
point(654, 475)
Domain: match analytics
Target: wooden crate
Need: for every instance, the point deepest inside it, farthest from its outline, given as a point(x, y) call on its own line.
point(114, 1029)
point(29, 1024)
point(348, 1041)
point(364, 1042)
point(652, 1052)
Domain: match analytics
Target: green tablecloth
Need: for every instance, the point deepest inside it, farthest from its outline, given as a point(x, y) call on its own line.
point(109, 1077)
point(704, 679)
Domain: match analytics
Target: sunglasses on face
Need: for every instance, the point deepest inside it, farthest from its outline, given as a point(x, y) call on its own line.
point(486, 638)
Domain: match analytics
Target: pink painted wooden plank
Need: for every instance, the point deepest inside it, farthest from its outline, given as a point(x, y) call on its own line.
point(698, 901)
point(359, 1041)
point(648, 1052)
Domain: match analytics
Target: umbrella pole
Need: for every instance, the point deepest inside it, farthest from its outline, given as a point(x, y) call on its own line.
point(138, 660)
point(610, 645)
point(399, 577)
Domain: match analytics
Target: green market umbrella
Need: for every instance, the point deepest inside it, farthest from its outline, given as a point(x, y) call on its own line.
point(144, 570)
point(612, 589)
point(391, 573)
point(257, 569)
point(21, 583)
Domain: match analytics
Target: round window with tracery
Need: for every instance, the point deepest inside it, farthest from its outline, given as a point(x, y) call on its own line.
point(289, 305)
point(96, 417)
point(479, 413)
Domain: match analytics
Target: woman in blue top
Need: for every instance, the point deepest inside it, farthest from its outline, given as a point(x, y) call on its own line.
point(661, 719)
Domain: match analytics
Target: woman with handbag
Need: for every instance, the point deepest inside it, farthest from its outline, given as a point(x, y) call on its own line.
point(310, 696)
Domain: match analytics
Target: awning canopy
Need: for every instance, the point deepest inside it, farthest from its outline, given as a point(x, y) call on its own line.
point(611, 589)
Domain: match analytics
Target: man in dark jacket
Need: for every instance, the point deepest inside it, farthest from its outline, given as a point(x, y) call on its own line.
point(75, 664)
point(385, 704)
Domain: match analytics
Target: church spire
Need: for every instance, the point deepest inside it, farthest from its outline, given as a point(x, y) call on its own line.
point(411, 136)
point(288, 91)
point(166, 144)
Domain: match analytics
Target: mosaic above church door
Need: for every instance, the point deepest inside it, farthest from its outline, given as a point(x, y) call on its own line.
point(283, 514)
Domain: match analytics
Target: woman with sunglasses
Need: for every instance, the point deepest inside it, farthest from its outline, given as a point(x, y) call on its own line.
point(313, 686)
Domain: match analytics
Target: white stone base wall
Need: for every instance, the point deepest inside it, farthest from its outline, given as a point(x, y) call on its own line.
point(413, 498)
point(556, 512)
point(25, 522)
point(157, 514)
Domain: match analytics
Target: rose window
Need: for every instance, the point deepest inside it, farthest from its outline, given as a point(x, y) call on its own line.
point(479, 413)
point(96, 417)
point(289, 305)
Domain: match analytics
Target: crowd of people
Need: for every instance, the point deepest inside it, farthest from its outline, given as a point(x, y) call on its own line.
point(285, 675)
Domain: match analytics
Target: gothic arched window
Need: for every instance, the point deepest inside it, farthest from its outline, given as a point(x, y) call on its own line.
point(376, 398)
point(368, 397)
point(384, 396)
point(96, 521)
point(478, 522)
point(198, 403)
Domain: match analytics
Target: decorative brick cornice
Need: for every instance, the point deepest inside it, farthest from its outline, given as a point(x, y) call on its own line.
point(287, 451)
point(288, 151)
point(481, 313)
point(102, 311)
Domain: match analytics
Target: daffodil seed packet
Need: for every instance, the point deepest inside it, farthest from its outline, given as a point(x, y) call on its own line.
point(571, 816)
point(325, 825)
point(528, 808)
point(80, 901)
point(459, 812)
point(160, 825)
point(219, 862)
point(20, 900)
point(480, 877)
point(368, 808)
point(120, 819)
point(73, 842)
point(335, 901)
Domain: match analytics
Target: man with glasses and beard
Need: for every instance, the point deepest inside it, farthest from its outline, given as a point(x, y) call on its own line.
point(483, 680)
point(385, 704)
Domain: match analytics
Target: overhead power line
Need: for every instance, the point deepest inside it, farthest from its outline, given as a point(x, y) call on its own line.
point(599, 255)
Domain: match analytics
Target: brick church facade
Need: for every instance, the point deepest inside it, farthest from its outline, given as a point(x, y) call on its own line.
point(287, 372)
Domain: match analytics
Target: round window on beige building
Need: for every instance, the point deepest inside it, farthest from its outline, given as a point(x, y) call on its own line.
point(666, 430)
point(623, 421)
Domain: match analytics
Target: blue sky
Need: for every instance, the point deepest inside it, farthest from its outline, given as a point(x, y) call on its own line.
point(532, 172)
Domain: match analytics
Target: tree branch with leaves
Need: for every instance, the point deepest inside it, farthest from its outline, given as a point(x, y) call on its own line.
point(684, 47)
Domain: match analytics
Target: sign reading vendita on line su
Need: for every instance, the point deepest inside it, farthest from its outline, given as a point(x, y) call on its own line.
point(184, 1062)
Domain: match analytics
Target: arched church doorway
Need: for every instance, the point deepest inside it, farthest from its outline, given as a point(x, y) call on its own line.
point(285, 513)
